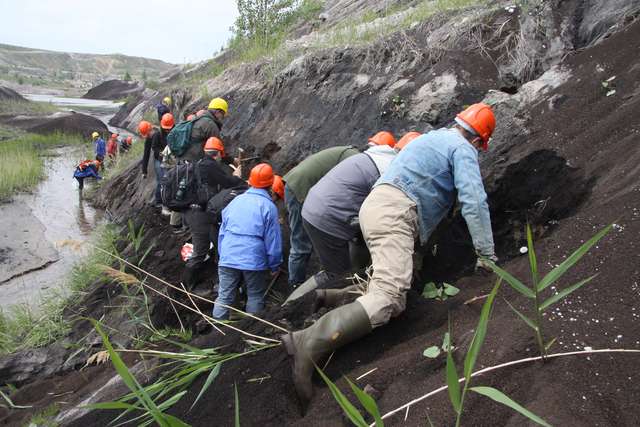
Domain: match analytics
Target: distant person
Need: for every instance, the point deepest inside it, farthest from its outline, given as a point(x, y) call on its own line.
point(250, 244)
point(163, 108)
point(112, 146)
point(86, 169)
point(215, 175)
point(155, 140)
point(208, 125)
point(101, 148)
point(125, 144)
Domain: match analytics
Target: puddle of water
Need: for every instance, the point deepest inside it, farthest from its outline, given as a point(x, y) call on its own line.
point(65, 216)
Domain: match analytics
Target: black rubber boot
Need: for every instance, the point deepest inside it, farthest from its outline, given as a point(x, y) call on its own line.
point(338, 327)
point(189, 277)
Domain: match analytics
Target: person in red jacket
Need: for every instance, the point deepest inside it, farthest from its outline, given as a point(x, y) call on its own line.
point(112, 146)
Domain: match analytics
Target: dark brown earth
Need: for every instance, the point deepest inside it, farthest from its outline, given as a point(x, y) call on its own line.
point(114, 90)
point(573, 171)
point(73, 123)
point(10, 94)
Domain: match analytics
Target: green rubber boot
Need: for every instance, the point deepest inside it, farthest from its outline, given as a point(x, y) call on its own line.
point(338, 327)
point(334, 297)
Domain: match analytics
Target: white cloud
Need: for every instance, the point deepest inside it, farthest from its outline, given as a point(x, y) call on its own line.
point(173, 31)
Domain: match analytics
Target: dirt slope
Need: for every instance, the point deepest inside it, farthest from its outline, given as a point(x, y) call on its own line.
point(114, 90)
point(564, 157)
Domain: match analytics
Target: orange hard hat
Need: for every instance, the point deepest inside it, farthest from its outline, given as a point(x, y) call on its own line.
point(200, 112)
point(383, 138)
point(261, 176)
point(191, 117)
point(478, 119)
point(167, 121)
point(114, 135)
point(214, 143)
point(406, 139)
point(278, 186)
point(144, 128)
point(129, 140)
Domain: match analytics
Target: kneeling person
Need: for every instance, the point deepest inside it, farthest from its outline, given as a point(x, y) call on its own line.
point(250, 243)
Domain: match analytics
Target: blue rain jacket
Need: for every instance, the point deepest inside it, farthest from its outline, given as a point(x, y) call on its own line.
point(430, 170)
point(101, 148)
point(250, 237)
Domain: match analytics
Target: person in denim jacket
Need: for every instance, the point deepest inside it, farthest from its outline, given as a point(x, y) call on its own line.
point(407, 202)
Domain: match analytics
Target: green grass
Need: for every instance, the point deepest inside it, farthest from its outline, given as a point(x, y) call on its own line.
point(23, 327)
point(45, 417)
point(21, 162)
point(27, 107)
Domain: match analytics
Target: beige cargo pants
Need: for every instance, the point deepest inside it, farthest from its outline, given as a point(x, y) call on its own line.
point(389, 222)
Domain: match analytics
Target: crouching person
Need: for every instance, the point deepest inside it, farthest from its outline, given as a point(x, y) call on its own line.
point(250, 244)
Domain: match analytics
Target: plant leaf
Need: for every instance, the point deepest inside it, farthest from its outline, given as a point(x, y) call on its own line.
point(431, 352)
point(557, 272)
point(563, 293)
point(526, 320)
point(452, 383)
point(450, 290)
point(350, 411)
point(512, 281)
point(500, 397)
point(550, 343)
point(111, 405)
point(367, 402)
point(533, 261)
point(430, 291)
point(212, 375)
point(446, 341)
point(175, 422)
point(481, 332)
point(237, 408)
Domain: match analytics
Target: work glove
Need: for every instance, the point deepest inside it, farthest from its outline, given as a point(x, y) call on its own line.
point(483, 263)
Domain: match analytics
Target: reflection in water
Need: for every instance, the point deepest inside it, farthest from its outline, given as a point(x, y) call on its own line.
point(83, 224)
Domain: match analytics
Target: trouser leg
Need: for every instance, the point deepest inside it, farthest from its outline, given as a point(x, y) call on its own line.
point(332, 251)
point(256, 286)
point(157, 166)
point(300, 249)
point(389, 224)
point(229, 280)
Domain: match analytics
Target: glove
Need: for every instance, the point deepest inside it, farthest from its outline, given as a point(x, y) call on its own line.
point(483, 264)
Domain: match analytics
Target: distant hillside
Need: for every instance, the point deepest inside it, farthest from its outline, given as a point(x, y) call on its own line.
point(74, 71)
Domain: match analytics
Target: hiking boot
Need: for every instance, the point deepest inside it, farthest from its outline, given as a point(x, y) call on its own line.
point(338, 327)
point(334, 297)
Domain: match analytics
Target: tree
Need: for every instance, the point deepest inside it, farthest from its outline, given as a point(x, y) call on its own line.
point(127, 76)
point(144, 75)
point(260, 20)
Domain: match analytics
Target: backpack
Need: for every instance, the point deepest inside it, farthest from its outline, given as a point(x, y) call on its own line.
point(179, 138)
point(179, 188)
point(217, 203)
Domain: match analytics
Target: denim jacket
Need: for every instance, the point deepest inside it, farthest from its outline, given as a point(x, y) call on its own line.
point(250, 237)
point(430, 170)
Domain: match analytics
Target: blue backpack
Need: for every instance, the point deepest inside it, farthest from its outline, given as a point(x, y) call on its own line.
point(179, 138)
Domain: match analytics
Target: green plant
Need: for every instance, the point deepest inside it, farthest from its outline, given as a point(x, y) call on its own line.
point(354, 415)
point(237, 406)
point(440, 293)
point(535, 290)
point(456, 395)
point(434, 351)
point(45, 417)
point(181, 370)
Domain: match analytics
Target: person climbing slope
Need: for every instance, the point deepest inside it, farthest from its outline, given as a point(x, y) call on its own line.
point(298, 181)
point(407, 202)
point(163, 107)
point(208, 125)
point(250, 244)
point(155, 141)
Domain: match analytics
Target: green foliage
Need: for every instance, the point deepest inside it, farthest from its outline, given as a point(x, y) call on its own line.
point(45, 417)
point(152, 84)
point(237, 405)
point(126, 77)
point(348, 408)
point(21, 163)
point(456, 393)
point(440, 293)
point(27, 107)
point(434, 351)
point(535, 290)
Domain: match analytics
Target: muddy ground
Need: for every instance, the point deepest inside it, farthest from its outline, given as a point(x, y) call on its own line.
point(114, 90)
point(565, 158)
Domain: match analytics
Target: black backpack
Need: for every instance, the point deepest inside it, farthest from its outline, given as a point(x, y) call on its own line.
point(182, 187)
point(217, 203)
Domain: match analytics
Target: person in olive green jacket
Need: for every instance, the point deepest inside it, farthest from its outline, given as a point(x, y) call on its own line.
point(298, 182)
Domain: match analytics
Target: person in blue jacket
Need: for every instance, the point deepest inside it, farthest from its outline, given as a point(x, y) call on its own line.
point(101, 146)
point(250, 244)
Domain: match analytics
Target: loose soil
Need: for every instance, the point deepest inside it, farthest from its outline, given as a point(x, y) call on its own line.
point(114, 90)
point(573, 172)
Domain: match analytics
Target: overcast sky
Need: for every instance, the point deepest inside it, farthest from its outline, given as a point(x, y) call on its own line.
point(171, 30)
